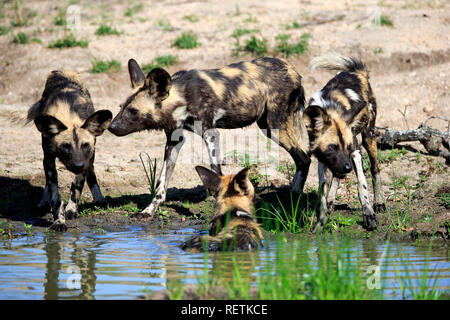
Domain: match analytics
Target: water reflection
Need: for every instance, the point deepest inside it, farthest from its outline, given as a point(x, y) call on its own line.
point(124, 265)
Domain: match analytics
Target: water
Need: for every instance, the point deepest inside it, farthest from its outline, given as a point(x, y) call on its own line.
point(125, 265)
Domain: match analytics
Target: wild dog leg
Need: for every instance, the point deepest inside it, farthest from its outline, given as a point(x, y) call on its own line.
point(322, 211)
point(370, 221)
point(370, 144)
point(286, 139)
point(212, 140)
point(71, 210)
point(93, 185)
point(173, 146)
point(56, 204)
point(331, 197)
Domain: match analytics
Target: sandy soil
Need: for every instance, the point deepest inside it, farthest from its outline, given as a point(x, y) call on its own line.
point(409, 65)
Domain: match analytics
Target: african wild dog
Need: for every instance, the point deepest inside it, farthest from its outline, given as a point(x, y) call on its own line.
point(69, 125)
point(233, 226)
point(345, 107)
point(267, 91)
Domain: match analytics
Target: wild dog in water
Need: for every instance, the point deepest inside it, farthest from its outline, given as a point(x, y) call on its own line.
point(344, 108)
point(233, 226)
point(267, 91)
point(69, 125)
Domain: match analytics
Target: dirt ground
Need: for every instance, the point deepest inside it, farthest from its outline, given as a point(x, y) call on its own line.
point(409, 64)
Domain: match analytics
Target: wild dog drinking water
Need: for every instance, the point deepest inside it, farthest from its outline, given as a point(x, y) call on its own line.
point(233, 226)
point(336, 115)
point(267, 91)
point(69, 125)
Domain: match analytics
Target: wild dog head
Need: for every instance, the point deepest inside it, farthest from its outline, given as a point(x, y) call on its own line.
point(73, 141)
point(143, 108)
point(233, 192)
point(332, 132)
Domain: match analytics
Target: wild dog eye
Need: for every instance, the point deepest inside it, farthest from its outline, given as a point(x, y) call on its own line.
point(133, 111)
point(85, 146)
point(332, 147)
point(66, 146)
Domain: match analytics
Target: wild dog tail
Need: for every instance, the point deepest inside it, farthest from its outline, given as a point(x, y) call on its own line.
point(17, 115)
point(337, 62)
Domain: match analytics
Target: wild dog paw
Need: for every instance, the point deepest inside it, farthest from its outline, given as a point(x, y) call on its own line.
point(58, 226)
point(370, 221)
point(142, 216)
point(379, 207)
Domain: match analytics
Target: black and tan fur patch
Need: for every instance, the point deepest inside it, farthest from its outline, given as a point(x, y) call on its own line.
point(233, 226)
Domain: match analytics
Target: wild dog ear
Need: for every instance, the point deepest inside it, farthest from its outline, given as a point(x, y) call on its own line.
point(159, 83)
point(241, 182)
point(137, 77)
point(316, 118)
point(49, 125)
point(210, 179)
point(98, 122)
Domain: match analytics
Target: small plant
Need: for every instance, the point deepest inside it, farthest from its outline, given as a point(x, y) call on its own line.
point(150, 173)
point(191, 18)
point(288, 49)
point(293, 25)
point(4, 30)
point(131, 11)
point(251, 19)
point(28, 229)
point(104, 30)
point(240, 32)
point(165, 25)
point(287, 169)
point(20, 38)
point(68, 42)
point(384, 21)
point(256, 46)
point(378, 50)
point(186, 41)
point(99, 66)
point(37, 40)
point(160, 62)
point(6, 231)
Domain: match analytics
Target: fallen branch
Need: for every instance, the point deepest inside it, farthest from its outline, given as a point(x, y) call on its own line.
point(430, 138)
point(323, 21)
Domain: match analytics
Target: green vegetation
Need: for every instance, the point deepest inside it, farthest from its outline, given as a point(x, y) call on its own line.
point(288, 49)
point(131, 11)
point(28, 229)
point(242, 31)
point(191, 18)
point(384, 21)
point(6, 231)
point(293, 218)
point(391, 155)
point(187, 40)
point(20, 38)
point(165, 25)
point(99, 66)
point(37, 40)
point(293, 25)
point(4, 30)
point(104, 30)
point(68, 42)
point(150, 173)
point(256, 46)
point(160, 62)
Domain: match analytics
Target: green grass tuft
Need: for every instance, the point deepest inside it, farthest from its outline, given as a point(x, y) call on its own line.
point(68, 42)
point(160, 62)
point(384, 21)
point(4, 30)
point(20, 38)
point(191, 18)
point(186, 41)
point(131, 11)
point(288, 49)
point(104, 30)
point(99, 66)
point(256, 46)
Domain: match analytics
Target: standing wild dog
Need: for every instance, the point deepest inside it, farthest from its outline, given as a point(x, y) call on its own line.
point(267, 91)
point(69, 126)
point(233, 226)
point(344, 108)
